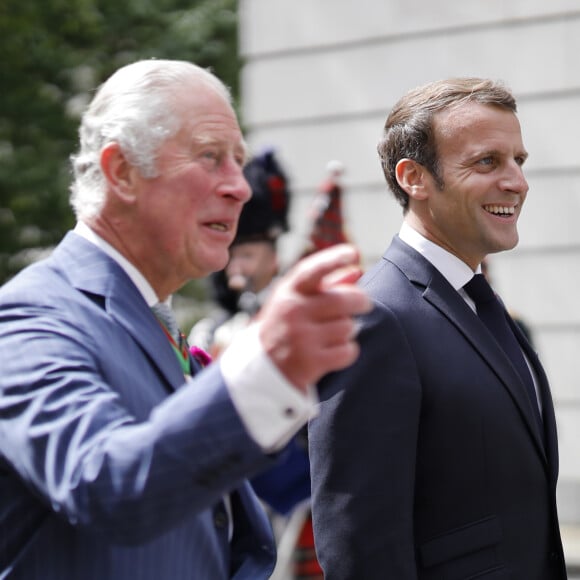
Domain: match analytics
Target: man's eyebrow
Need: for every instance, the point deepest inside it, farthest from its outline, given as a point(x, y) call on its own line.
point(495, 152)
point(207, 140)
point(204, 140)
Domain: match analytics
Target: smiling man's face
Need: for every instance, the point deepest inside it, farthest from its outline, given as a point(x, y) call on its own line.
point(481, 154)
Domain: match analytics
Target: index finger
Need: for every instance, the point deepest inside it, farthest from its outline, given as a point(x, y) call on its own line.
point(310, 271)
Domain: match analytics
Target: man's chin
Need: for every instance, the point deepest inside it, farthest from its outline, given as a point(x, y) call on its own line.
point(218, 262)
point(510, 244)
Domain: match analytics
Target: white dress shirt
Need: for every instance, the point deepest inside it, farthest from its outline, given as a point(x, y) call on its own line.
point(454, 270)
point(270, 407)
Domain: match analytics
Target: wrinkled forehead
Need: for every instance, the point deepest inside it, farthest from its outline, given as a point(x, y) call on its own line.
point(470, 117)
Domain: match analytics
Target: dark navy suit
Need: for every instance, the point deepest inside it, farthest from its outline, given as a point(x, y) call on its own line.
point(103, 475)
point(426, 459)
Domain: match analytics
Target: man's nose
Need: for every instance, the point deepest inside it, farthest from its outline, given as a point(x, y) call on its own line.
point(514, 180)
point(235, 184)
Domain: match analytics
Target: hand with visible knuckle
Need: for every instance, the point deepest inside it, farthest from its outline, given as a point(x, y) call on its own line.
point(308, 323)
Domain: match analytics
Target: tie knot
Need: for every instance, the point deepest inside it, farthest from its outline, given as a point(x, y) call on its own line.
point(166, 316)
point(479, 290)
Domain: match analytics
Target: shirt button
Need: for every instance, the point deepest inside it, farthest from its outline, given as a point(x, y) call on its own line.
point(289, 412)
point(220, 519)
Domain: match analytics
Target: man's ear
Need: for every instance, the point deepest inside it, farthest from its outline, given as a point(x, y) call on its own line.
point(411, 177)
point(118, 172)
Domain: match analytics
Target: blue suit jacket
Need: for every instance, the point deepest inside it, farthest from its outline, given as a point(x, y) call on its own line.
point(109, 467)
point(426, 460)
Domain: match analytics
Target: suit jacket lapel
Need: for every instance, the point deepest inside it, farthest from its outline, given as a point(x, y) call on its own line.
point(93, 272)
point(438, 292)
point(136, 317)
point(548, 415)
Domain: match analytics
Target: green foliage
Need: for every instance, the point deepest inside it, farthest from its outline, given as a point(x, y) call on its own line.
point(53, 54)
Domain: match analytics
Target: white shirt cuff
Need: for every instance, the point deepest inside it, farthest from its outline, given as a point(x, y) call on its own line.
point(271, 408)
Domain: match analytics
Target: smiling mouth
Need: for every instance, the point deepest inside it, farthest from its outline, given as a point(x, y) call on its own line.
point(500, 210)
point(219, 227)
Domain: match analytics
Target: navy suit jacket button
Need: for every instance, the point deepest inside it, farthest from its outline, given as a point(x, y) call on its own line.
point(220, 519)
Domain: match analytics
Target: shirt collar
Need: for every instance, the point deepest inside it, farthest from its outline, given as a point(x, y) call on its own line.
point(137, 278)
point(455, 271)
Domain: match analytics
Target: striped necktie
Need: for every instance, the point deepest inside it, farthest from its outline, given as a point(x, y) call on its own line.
point(166, 318)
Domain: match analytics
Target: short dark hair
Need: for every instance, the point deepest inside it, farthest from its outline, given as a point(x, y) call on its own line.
point(408, 131)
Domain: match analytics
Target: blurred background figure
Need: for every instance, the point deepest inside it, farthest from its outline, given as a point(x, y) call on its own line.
point(241, 288)
point(327, 218)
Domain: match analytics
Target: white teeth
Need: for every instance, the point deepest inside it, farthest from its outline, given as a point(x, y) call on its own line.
point(499, 209)
point(219, 227)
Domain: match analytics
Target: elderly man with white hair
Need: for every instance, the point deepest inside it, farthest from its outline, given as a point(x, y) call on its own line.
point(120, 457)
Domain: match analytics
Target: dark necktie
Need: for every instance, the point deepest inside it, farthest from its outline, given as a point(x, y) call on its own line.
point(494, 316)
